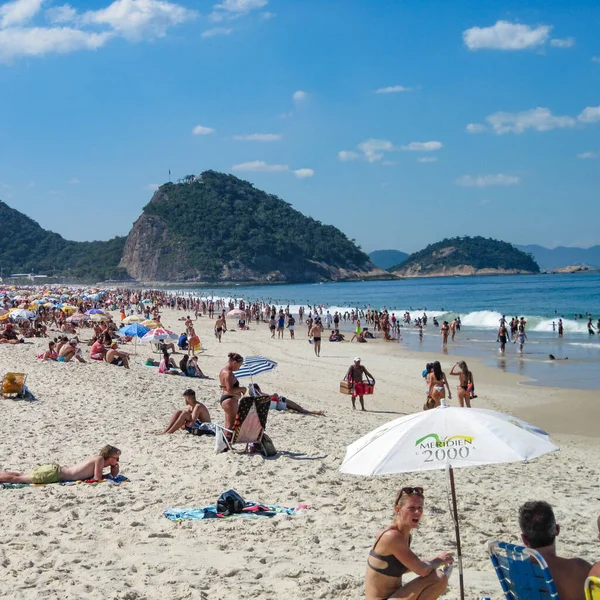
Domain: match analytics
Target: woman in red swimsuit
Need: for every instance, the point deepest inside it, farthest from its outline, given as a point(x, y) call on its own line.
point(391, 556)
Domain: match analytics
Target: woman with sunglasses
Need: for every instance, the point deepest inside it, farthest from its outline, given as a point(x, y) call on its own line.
point(391, 557)
point(231, 391)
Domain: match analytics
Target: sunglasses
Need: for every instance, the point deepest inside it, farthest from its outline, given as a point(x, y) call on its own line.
point(409, 491)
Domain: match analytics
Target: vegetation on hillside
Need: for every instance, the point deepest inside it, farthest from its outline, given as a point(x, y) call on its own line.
point(219, 220)
point(25, 247)
point(385, 259)
point(478, 252)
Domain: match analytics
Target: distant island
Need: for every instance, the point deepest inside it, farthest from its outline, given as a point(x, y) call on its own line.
point(208, 228)
point(466, 256)
point(562, 257)
point(384, 259)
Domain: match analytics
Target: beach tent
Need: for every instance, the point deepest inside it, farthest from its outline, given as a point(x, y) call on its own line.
point(446, 438)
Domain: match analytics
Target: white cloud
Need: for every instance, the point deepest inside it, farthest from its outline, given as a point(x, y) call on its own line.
point(263, 167)
point(563, 43)
point(423, 146)
point(373, 149)
point(201, 130)
point(476, 128)
point(61, 14)
point(74, 181)
point(596, 59)
point(241, 5)
point(590, 114)
point(427, 159)
point(585, 155)
point(388, 163)
point(299, 96)
point(304, 173)
point(266, 15)
point(19, 12)
point(481, 181)
point(345, 155)
point(152, 187)
point(506, 36)
point(259, 137)
point(37, 41)
point(538, 119)
point(393, 89)
point(215, 31)
point(139, 19)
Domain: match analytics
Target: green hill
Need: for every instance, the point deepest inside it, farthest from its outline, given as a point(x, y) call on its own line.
point(26, 247)
point(467, 256)
point(385, 259)
point(217, 227)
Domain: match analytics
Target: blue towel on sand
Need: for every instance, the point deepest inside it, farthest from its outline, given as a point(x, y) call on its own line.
point(118, 480)
point(252, 510)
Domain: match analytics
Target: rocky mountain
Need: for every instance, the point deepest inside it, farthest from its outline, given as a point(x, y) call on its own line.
point(26, 247)
point(216, 227)
point(563, 256)
point(466, 256)
point(385, 259)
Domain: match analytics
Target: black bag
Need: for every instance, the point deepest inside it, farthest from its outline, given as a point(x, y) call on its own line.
point(268, 447)
point(230, 502)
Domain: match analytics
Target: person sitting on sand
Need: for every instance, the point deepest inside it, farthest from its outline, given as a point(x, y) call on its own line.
point(538, 531)
point(70, 351)
point(50, 354)
point(280, 403)
point(193, 415)
point(98, 349)
point(9, 335)
point(189, 367)
point(367, 334)
point(167, 365)
point(231, 391)
point(391, 557)
point(91, 468)
point(117, 357)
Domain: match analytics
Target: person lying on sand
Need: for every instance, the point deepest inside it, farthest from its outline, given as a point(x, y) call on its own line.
point(280, 403)
point(194, 414)
point(391, 556)
point(539, 530)
point(91, 468)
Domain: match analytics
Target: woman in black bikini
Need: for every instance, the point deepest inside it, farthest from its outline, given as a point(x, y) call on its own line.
point(391, 557)
point(466, 378)
point(231, 391)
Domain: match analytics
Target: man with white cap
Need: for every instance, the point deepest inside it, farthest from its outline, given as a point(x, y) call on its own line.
point(355, 376)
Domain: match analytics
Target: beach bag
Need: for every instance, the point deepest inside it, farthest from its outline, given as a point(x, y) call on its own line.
point(230, 502)
point(268, 446)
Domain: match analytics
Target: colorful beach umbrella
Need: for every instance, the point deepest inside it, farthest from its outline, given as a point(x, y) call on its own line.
point(94, 311)
point(21, 314)
point(446, 438)
point(151, 324)
point(236, 313)
point(133, 319)
point(159, 334)
point(254, 365)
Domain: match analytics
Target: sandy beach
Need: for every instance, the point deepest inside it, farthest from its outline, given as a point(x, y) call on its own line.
point(102, 541)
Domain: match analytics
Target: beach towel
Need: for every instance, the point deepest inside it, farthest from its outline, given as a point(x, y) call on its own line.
point(118, 480)
point(252, 510)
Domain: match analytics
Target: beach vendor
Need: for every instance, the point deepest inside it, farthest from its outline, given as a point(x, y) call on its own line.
point(391, 557)
point(91, 468)
point(355, 377)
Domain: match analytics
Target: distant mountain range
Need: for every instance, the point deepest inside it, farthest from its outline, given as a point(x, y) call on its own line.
point(385, 259)
point(563, 256)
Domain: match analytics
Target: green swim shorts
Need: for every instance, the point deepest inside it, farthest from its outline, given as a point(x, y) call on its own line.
point(46, 474)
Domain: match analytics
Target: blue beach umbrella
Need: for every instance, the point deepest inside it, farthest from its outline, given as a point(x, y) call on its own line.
point(254, 365)
point(135, 330)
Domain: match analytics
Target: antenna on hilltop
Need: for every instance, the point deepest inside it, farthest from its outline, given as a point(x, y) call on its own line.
point(169, 175)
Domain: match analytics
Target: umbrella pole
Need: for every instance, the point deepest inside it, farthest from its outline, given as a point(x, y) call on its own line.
point(457, 532)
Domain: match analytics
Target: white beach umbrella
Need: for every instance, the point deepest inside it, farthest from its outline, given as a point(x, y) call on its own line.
point(133, 319)
point(446, 438)
point(21, 314)
point(159, 334)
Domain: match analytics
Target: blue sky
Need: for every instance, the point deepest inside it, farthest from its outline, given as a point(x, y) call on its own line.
point(399, 122)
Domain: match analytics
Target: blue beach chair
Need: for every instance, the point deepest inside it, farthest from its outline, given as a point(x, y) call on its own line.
point(523, 572)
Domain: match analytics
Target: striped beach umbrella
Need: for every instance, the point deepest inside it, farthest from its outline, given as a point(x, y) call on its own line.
point(159, 334)
point(254, 365)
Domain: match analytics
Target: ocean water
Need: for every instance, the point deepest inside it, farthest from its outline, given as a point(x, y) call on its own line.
point(480, 302)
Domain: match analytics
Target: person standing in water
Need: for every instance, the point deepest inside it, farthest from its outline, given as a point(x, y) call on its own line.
point(521, 337)
point(502, 337)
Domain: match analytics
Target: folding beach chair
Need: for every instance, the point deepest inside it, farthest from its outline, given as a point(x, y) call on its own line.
point(592, 588)
point(13, 385)
point(250, 423)
point(523, 572)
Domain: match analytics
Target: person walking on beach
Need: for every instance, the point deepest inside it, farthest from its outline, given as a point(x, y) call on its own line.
point(391, 556)
point(355, 377)
point(521, 337)
point(445, 330)
point(280, 324)
point(438, 383)
point(502, 337)
point(220, 327)
point(90, 468)
point(465, 383)
point(315, 332)
point(291, 324)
